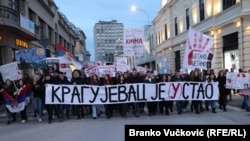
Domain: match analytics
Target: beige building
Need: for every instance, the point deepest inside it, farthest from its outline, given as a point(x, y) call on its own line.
point(227, 21)
point(26, 24)
point(80, 51)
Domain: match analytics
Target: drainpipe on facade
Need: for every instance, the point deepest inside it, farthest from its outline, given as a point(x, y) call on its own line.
point(241, 46)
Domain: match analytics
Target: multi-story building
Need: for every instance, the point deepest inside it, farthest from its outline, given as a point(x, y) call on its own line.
point(27, 24)
point(227, 21)
point(148, 57)
point(108, 40)
point(80, 51)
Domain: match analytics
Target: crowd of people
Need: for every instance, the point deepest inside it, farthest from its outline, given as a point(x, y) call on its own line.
point(62, 112)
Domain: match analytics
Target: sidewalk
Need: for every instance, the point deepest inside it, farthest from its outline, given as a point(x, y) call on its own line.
point(236, 100)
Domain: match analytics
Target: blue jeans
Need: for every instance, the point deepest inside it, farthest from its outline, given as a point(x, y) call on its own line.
point(38, 106)
point(95, 110)
point(245, 101)
point(211, 102)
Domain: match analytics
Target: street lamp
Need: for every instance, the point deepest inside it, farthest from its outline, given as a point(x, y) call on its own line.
point(134, 8)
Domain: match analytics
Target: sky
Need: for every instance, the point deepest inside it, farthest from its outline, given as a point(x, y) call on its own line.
point(84, 14)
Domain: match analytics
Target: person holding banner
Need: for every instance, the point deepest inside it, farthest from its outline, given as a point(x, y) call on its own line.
point(134, 78)
point(48, 80)
point(38, 96)
point(211, 78)
point(108, 107)
point(61, 107)
point(196, 104)
point(123, 107)
point(245, 93)
point(166, 105)
point(184, 77)
point(152, 105)
point(78, 80)
point(222, 90)
point(94, 80)
point(10, 90)
point(179, 103)
point(142, 77)
point(21, 85)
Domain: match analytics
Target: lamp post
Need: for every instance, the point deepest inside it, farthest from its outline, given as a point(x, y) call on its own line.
point(134, 8)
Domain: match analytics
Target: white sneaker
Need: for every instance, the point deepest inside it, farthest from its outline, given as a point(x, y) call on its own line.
point(40, 120)
point(23, 121)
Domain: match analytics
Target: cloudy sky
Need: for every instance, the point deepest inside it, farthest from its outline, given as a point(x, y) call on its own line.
point(85, 13)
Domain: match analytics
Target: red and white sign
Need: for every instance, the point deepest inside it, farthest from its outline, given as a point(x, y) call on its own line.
point(198, 51)
point(133, 43)
point(237, 80)
point(90, 68)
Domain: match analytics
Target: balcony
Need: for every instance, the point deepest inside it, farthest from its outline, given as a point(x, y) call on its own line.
point(10, 21)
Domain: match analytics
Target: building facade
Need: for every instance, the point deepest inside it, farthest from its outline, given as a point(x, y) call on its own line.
point(227, 21)
point(148, 58)
point(108, 40)
point(80, 51)
point(27, 24)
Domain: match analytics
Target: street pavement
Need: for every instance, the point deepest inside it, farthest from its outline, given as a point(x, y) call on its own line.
point(235, 101)
point(113, 129)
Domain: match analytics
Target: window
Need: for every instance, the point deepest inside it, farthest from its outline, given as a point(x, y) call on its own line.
point(32, 16)
point(17, 5)
point(228, 3)
point(60, 39)
point(176, 26)
point(187, 18)
point(231, 51)
point(230, 41)
point(56, 37)
point(51, 35)
point(13, 4)
point(202, 13)
point(166, 32)
point(177, 60)
point(159, 37)
point(42, 26)
point(152, 42)
point(156, 39)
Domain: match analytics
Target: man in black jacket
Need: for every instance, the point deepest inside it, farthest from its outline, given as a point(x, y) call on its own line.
point(152, 105)
point(77, 79)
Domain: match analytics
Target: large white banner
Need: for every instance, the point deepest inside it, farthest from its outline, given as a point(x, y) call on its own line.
point(198, 51)
point(140, 92)
point(133, 42)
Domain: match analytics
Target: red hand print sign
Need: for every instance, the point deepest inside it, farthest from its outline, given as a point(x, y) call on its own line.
point(197, 45)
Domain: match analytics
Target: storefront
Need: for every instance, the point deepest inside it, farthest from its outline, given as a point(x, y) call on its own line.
point(231, 52)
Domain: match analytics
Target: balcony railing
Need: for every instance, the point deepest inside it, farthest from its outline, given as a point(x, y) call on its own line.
point(9, 15)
